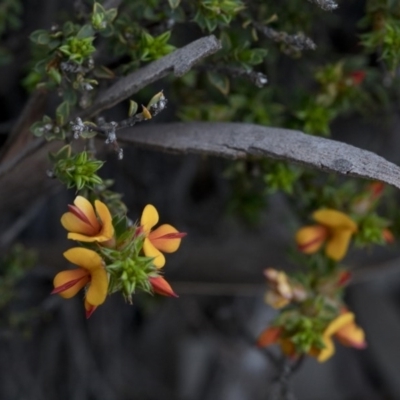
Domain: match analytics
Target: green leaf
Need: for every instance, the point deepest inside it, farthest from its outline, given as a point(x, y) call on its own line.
point(98, 8)
point(133, 106)
point(86, 31)
point(55, 75)
point(174, 3)
point(40, 36)
point(111, 14)
point(62, 113)
point(219, 81)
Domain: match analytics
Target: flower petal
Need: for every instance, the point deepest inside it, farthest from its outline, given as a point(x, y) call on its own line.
point(166, 245)
point(150, 251)
point(328, 351)
point(107, 229)
point(310, 238)
point(149, 218)
point(269, 336)
point(338, 243)
point(74, 224)
point(161, 286)
point(86, 207)
point(338, 323)
point(88, 239)
point(97, 291)
point(85, 258)
point(89, 308)
point(79, 275)
point(334, 219)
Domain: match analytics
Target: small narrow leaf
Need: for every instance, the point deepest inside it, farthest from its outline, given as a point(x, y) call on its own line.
point(133, 106)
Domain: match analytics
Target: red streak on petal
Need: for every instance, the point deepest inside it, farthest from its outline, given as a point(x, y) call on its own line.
point(90, 311)
point(305, 246)
point(67, 285)
point(344, 278)
point(139, 231)
point(176, 235)
point(79, 214)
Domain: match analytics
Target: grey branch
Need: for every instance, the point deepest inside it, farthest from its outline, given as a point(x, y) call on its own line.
point(239, 140)
point(179, 62)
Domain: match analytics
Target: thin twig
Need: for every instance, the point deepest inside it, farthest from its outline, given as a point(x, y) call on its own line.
point(256, 78)
point(296, 43)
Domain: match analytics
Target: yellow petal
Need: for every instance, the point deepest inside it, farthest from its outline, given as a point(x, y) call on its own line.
point(97, 291)
point(85, 258)
point(338, 243)
point(149, 218)
point(89, 239)
point(351, 335)
point(164, 244)
point(310, 238)
point(334, 219)
point(150, 251)
point(107, 229)
point(338, 323)
point(86, 207)
point(73, 224)
point(328, 351)
point(63, 277)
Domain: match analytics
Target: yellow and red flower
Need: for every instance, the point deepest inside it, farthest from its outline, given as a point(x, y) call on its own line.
point(163, 239)
point(88, 224)
point(91, 273)
point(334, 228)
point(343, 328)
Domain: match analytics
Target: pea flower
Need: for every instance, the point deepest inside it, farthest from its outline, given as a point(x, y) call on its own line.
point(281, 291)
point(334, 227)
point(343, 328)
point(91, 274)
point(163, 239)
point(85, 226)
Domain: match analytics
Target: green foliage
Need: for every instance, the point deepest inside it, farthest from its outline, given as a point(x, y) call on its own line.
point(152, 48)
point(216, 13)
point(128, 269)
point(76, 170)
point(48, 129)
point(77, 49)
point(383, 20)
point(371, 230)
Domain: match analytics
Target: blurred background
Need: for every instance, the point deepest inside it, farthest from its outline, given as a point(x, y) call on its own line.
point(200, 346)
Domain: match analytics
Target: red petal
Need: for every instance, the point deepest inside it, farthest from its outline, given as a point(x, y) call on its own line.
point(161, 286)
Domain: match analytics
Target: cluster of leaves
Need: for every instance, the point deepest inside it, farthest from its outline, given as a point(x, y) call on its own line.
point(383, 20)
point(78, 170)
